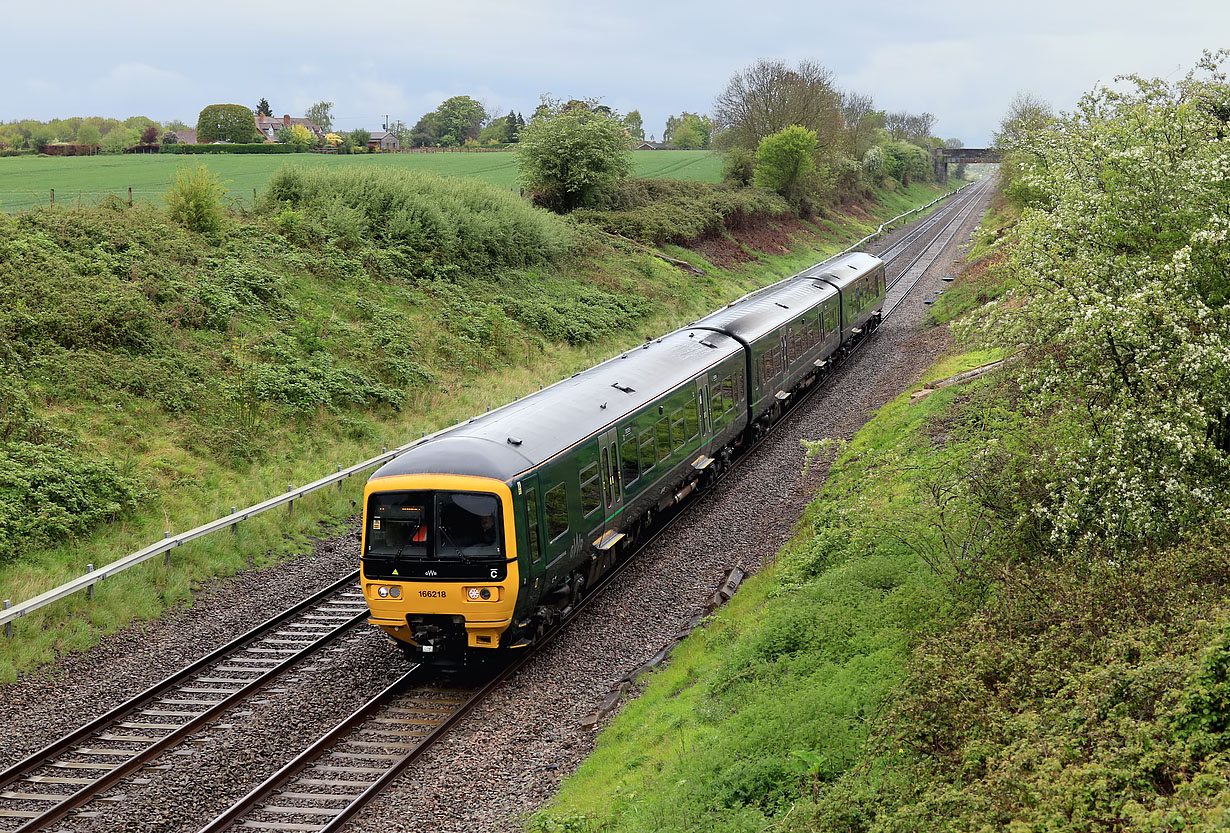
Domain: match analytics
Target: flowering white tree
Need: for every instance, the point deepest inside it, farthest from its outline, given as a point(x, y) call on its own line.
point(1122, 309)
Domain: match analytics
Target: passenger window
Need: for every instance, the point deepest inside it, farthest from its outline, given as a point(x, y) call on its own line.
point(531, 524)
point(557, 512)
point(591, 490)
point(692, 414)
point(663, 431)
point(679, 434)
point(646, 445)
point(716, 409)
point(728, 394)
point(627, 457)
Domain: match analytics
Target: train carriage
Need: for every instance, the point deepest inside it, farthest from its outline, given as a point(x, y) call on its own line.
point(480, 536)
point(862, 283)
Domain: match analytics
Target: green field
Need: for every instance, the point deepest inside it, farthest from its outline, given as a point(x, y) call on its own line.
point(26, 181)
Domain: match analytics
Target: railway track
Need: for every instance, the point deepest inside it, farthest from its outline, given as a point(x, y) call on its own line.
point(328, 783)
point(325, 785)
point(81, 765)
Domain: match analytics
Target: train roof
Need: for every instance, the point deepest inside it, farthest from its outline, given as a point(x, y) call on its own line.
point(755, 315)
point(527, 432)
point(843, 270)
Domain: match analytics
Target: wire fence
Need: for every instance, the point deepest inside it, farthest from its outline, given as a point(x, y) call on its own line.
point(10, 612)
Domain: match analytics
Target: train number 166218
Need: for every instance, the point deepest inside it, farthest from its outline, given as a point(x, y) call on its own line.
point(432, 594)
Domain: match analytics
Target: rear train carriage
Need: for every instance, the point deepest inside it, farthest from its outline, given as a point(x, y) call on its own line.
point(861, 280)
point(483, 535)
point(789, 330)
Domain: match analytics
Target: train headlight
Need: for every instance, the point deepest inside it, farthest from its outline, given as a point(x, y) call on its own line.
point(473, 593)
point(382, 592)
point(485, 593)
point(395, 592)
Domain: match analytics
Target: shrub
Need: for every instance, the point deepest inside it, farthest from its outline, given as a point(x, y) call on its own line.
point(226, 123)
point(449, 221)
point(195, 200)
point(786, 159)
point(739, 167)
point(573, 158)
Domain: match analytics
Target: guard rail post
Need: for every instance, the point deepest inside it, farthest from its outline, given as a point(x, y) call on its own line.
point(8, 626)
point(166, 557)
point(89, 590)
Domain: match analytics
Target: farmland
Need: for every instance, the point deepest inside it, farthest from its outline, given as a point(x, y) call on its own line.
point(27, 181)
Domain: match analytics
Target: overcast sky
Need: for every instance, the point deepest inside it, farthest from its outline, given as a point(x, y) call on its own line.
point(963, 62)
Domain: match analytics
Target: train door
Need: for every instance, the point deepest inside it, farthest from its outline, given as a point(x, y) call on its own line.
point(612, 488)
point(530, 521)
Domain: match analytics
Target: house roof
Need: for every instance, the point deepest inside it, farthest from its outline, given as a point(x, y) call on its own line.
point(186, 135)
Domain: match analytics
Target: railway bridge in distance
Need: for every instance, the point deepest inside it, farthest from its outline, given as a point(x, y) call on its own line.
point(943, 156)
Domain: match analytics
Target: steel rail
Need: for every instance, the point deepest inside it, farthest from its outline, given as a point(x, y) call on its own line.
point(25, 769)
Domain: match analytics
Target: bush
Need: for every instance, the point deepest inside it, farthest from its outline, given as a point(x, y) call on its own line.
point(226, 123)
point(572, 159)
point(739, 167)
point(445, 221)
point(785, 161)
point(195, 200)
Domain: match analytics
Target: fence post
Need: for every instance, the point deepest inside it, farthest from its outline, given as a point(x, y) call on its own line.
point(89, 591)
point(290, 506)
point(8, 626)
point(234, 526)
point(130, 196)
point(53, 196)
point(339, 483)
point(166, 557)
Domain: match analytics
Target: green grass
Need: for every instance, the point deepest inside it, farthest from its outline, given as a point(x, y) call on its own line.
point(26, 181)
point(771, 701)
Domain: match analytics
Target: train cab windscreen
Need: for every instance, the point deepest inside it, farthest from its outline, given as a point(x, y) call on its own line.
point(434, 535)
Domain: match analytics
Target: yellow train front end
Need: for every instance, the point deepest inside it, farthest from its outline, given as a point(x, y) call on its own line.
point(439, 561)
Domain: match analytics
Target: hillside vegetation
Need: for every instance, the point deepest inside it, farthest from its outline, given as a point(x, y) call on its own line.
point(152, 376)
point(1007, 608)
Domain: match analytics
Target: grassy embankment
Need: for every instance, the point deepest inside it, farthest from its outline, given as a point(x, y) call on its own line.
point(154, 377)
point(920, 658)
point(25, 181)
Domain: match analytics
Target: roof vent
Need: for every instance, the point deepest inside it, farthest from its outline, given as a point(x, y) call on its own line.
point(707, 343)
point(623, 388)
point(780, 304)
point(514, 441)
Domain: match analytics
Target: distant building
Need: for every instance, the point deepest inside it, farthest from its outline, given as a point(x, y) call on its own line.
point(383, 140)
point(186, 136)
point(268, 126)
point(643, 144)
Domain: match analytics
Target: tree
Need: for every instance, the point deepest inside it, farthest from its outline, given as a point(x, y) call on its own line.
point(688, 130)
point(862, 120)
point(459, 118)
point(426, 131)
point(512, 126)
point(770, 96)
point(301, 137)
point(226, 123)
point(573, 157)
point(118, 139)
point(333, 140)
point(909, 127)
point(1027, 116)
point(785, 159)
point(359, 139)
point(634, 125)
point(88, 134)
point(195, 200)
point(321, 115)
point(149, 135)
point(495, 131)
point(263, 108)
point(176, 124)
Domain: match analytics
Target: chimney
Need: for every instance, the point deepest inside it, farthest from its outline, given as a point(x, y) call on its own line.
point(286, 120)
